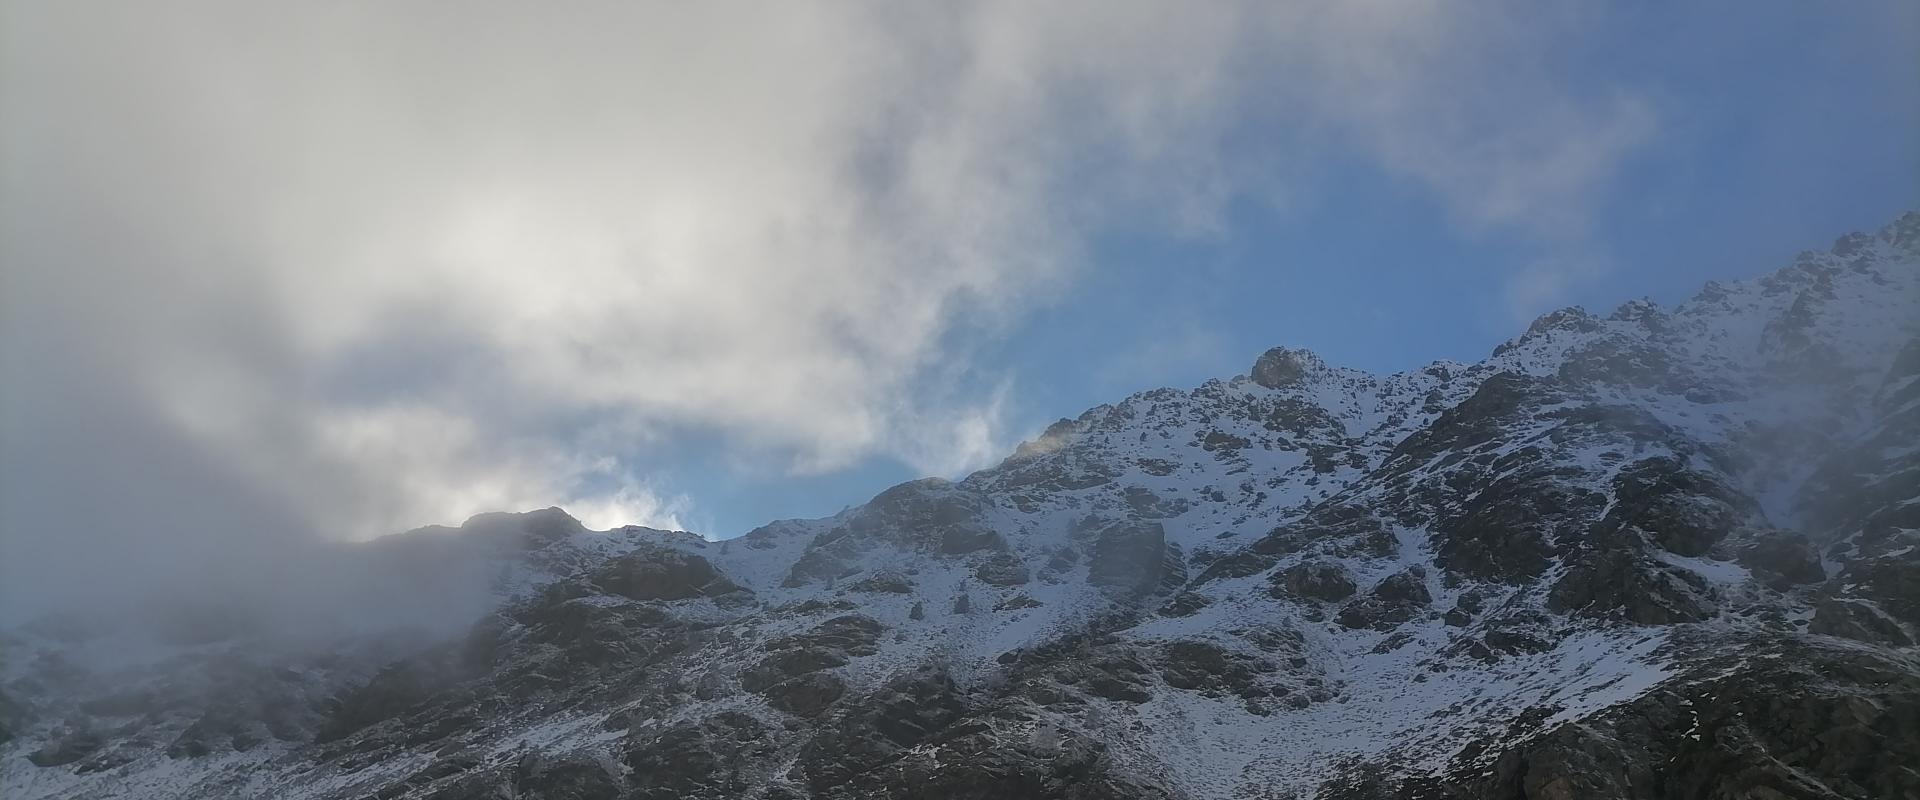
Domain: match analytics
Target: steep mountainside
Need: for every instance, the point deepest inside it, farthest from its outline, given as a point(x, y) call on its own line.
point(1657, 553)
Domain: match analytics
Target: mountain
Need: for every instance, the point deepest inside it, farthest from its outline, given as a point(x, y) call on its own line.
point(1655, 553)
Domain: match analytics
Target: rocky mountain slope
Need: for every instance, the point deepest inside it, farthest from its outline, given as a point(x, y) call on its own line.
point(1656, 553)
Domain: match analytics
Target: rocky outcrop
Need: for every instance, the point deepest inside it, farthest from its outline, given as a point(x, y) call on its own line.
point(830, 644)
point(1783, 560)
point(1282, 367)
point(926, 516)
point(662, 574)
point(67, 747)
point(1395, 599)
point(1773, 727)
point(1128, 556)
point(1322, 580)
point(1614, 583)
point(1010, 753)
point(697, 758)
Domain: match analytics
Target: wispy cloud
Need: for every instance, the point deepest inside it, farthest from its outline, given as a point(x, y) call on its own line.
point(363, 266)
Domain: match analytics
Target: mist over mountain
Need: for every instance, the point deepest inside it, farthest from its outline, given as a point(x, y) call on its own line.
point(1641, 552)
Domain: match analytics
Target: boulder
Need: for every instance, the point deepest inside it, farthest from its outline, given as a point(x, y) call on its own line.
point(1128, 556)
point(1318, 580)
point(1281, 367)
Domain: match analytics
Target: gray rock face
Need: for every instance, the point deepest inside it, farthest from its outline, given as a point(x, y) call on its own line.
point(807, 695)
point(831, 644)
point(662, 575)
point(885, 582)
point(1684, 511)
point(1128, 556)
point(925, 516)
point(1613, 584)
point(1282, 367)
point(1861, 620)
point(1001, 569)
point(697, 759)
point(1002, 756)
point(1783, 560)
point(1396, 599)
point(899, 716)
point(66, 748)
point(1215, 671)
point(1320, 580)
point(1773, 728)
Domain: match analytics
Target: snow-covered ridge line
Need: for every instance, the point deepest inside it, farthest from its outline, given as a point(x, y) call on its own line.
point(1297, 580)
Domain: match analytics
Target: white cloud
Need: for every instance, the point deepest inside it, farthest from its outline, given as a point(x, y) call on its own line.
point(1546, 285)
point(1465, 99)
point(378, 265)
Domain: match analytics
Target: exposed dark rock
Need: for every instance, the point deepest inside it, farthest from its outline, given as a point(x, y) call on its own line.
point(1211, 669)
point(1466, 607)
point(697, 759)
point(991, 757)
point(907, 711)
point(1016, 603)
point(1891, 581)
point(1518, 633)
point(1156, 467)
point(563, 643)
point(1396, 599)
point(1617, 583)
point(1146, 505)
point(1858, 619)
point(1683, 510)
point(1615, 362)
point(929, 512)
point(1479, 419)
point(1773, 728)
point(830, 644)
point(929, 515)
point(1319, 580)
point(1613, 583)
point(1783, 560)
point(1100, 666)
point(529, 529)
point(67, 747)
point(1128, 556)
point(1281, 367)
point(807, 695)
point(662, 574)
point(1001, 569)
point(535, 776)
point(1406, 586)
point(1341, 531)
point(1303, 421)
point(1184, 604)
point(884, 583)
point(1508, 530)
point(394, 691)
point(1220, 441)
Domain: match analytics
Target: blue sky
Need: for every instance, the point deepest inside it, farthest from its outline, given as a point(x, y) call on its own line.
point(345, 269)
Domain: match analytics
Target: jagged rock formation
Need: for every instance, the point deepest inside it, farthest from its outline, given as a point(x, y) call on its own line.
point(1651, 554)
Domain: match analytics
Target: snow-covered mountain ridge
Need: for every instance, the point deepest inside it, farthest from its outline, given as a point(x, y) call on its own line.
point(1651, 553)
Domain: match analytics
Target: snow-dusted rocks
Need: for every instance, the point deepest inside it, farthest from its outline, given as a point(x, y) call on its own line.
point(1660, 552)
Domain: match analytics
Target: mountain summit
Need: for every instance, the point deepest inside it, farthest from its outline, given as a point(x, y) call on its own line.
point(1650, 553)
